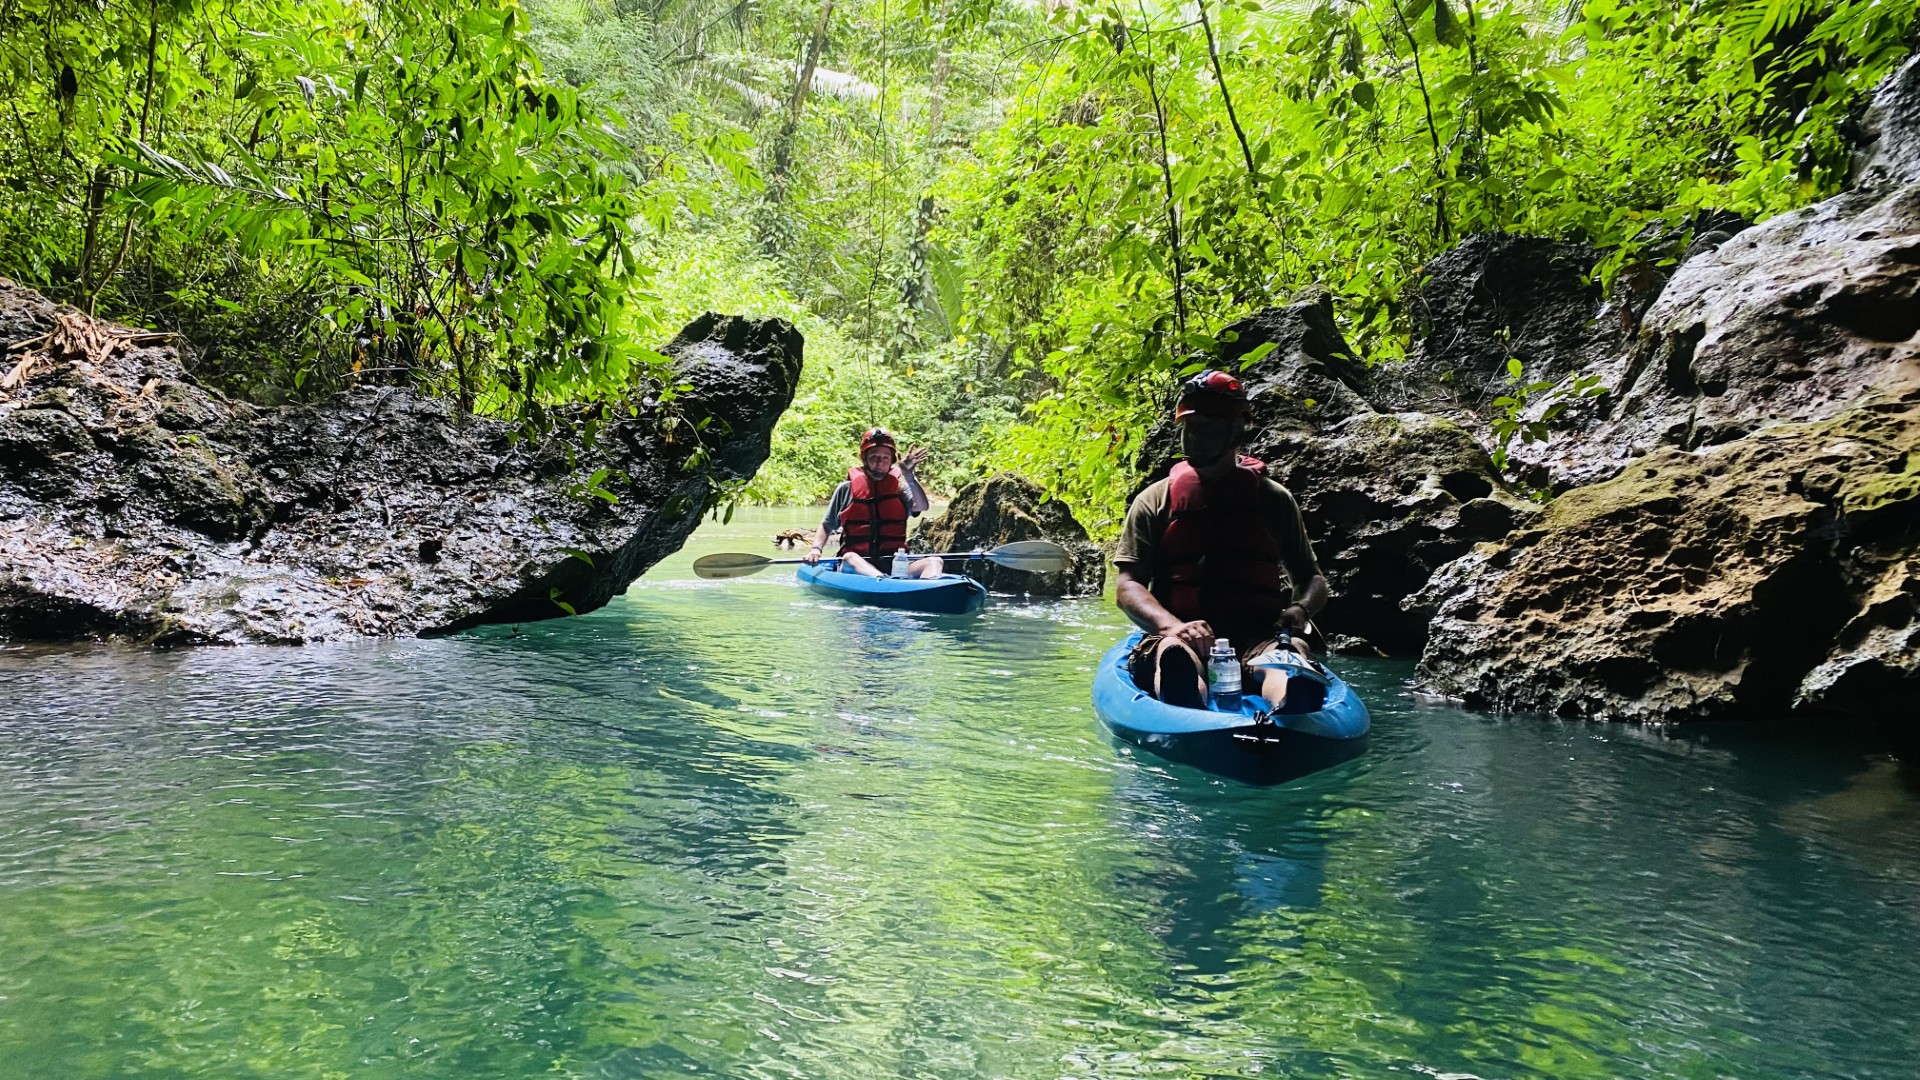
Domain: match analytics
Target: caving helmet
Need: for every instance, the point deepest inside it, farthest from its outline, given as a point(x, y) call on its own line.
point(1211, 393)
point(878, 437)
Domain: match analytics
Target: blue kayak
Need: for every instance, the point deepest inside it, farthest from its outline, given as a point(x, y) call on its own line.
point(1237, 744)
point(948, 594)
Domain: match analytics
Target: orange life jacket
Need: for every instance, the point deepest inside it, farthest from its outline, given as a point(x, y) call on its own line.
point(1218, 560)
point(874, 524)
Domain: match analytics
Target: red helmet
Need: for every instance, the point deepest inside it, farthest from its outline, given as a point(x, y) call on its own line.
point(1211, 393)
point(877, 437)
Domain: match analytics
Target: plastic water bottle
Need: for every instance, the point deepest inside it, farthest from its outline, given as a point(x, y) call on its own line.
point(902, 564)
point(1223, 675)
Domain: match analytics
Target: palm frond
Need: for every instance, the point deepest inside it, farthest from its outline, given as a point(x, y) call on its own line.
point(842, 86)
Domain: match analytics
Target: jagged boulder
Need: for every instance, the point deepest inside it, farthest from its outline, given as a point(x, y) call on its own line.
point(1796, 319)
point(136, 504)
point(1308, 381)
point(1890, 132)
point(1388, 498)
point(1755, 552)
point(1492, 299)
point(1005, 508)
point(1799, 318)
point(1770, 574)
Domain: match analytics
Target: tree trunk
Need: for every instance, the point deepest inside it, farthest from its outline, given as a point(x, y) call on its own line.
point(790, 127)
point(917, 289)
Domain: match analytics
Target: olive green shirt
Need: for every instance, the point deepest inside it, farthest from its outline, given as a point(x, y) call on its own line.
point(1147, 521)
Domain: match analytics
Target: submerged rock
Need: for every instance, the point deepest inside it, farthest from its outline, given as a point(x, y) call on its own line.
point(137, 504)
point(1000, 510)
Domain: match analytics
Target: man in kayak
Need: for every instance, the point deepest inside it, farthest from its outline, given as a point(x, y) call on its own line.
point(1216, 550)
point(870, 509)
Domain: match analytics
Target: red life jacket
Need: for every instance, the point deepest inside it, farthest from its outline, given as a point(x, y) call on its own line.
point(1218, 560)
point(874, 524)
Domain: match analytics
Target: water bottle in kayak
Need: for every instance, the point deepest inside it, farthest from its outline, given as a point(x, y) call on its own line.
point(902, 564)
point(1223, 676)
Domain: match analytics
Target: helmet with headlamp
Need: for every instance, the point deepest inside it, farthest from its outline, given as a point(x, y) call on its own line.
point(1211, 393)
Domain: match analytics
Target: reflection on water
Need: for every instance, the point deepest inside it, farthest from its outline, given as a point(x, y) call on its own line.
point(730, 828)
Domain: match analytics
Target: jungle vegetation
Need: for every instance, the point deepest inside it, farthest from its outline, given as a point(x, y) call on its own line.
point(1001, 225)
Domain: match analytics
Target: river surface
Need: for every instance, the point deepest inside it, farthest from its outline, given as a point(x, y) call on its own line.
point(725, 828)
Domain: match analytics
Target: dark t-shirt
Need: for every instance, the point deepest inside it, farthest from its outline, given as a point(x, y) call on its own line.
point(1147, 521)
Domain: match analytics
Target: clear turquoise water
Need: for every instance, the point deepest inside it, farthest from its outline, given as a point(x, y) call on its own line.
point(727, 829)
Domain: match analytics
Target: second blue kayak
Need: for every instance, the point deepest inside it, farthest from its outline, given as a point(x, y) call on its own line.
point(948, 594)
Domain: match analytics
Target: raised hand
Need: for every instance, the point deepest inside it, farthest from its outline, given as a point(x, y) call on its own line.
point(913, 458)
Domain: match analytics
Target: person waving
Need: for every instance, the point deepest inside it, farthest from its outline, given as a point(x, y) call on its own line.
point(871, 507)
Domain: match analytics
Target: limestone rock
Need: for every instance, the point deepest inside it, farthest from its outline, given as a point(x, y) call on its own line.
point(1742, 580)
point(1892, 127)
point(1000, 510)
point(1799, 318)
point(1388, 498)
point(1875, 662)
point(1305, 383)
point(1311, 377)
point(136, 504)
point(1492, 299)
point(1755, 552)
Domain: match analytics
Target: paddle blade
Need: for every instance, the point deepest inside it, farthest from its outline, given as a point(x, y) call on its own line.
point(1033, 556)
point(730, 564)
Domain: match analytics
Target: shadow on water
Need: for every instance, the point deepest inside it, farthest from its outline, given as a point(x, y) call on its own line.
point(1265, 761)
point(1799, 751)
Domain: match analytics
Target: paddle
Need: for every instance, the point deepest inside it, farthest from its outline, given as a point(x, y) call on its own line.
point(1034, 556)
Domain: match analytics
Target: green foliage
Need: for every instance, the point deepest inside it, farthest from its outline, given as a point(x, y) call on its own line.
point(443, 212)
point(1000, 228)
point(944, 399)
point(1513, 419)
point(1142, 193)
point(840, 241)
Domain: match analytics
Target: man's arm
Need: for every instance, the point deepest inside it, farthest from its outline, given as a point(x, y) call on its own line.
point(1133, 567)
point(1311, 590)
point(1134, 598)
point(1309, 604)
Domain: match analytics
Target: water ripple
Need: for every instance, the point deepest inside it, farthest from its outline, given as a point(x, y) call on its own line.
point(730, 828)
